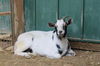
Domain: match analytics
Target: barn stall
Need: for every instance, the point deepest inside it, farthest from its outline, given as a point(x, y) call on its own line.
point(17, 16)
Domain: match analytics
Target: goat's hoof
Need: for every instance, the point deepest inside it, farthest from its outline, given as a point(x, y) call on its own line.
point(27, 56)
point(32, 54)
point(56, 56)
point(71, 54)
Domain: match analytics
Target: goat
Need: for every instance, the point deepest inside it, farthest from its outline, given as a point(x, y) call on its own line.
point(52, 44)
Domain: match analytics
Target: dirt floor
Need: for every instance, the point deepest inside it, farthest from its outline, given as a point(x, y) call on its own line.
point(83, 58)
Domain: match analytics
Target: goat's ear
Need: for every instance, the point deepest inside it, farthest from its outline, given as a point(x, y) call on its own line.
point(51, 24)
point(69, 21)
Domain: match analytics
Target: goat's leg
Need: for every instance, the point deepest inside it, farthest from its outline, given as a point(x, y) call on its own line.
point(19, 49)
point(70, 52)
point(33, 52)
point(54, 56)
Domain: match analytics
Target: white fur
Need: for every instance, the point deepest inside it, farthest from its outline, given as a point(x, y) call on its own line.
point(42, 43)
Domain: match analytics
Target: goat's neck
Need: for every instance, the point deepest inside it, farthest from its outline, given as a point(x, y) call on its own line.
point(61, 42)
point(55, 37)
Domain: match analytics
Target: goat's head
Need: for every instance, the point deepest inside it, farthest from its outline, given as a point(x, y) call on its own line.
point(61, 27)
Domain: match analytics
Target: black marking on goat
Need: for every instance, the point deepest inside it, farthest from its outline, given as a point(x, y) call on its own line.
point(58, 46)
point(52, 37)
point(67, 50)
point(65, 28)
point(32, 38)
point(57, 33)
point(28, 50)
point(56, 30)
point(60, 51)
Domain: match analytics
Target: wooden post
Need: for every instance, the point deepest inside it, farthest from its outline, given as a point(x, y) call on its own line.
point(17, 18)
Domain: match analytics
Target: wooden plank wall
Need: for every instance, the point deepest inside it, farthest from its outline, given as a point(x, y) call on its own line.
point(17, 18)
point(5, 17)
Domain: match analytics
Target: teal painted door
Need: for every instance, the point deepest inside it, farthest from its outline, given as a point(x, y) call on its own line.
point(30, 14)
point(39, 12)
point(85, 14)
point(74, 9)
point(45, 12)
point(92, 19)
point(5, 20)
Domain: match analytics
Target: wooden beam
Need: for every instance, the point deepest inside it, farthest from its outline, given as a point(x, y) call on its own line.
point(85, 46)
point(5, 13)
point(17, 18)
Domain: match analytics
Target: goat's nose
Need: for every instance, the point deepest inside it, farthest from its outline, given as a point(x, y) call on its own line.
point(60, 32)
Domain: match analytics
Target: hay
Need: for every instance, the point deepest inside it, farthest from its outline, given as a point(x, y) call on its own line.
point(1, 49)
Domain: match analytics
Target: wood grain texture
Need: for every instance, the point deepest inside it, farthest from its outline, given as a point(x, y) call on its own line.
point(85, 46)
point(5, 13)
point(18, 18)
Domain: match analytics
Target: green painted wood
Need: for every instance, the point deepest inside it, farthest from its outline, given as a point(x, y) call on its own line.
point(85, 14)
point(29, 8)
point(5, 24)
point(92, 19)
point(4, 5)
point(74, 9)
point(45, 12)
point(5, 21)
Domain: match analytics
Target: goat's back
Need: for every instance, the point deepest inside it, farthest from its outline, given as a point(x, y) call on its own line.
point(39, 41)
point(35, 34)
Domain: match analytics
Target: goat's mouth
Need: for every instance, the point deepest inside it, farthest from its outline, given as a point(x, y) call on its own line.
point(60, 35)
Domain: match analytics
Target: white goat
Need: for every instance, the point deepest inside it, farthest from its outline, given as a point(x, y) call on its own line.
point(52, 44)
